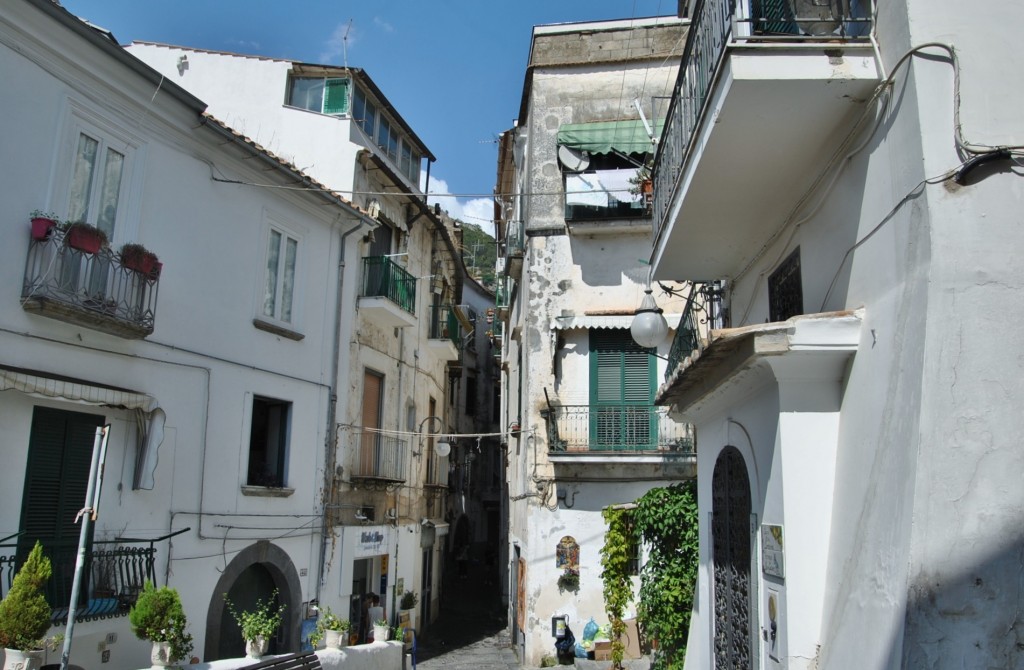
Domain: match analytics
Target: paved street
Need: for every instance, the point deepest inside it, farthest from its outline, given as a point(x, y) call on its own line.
point(471, 632)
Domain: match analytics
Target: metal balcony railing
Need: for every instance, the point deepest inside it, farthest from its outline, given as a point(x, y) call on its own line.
point(618, 428)
point(380, 457)
point(113, 576)
point(384, 278)
point(444, 325)
point(515, 239)
point(716, 23)
point(703, 312)
point(95, 290)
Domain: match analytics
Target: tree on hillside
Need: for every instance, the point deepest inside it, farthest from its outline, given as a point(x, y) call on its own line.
point(479, 253)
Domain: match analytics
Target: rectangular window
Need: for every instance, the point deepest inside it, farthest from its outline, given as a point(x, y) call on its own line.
point(96, 179)
point(279, 286)
point(471, 399)
point(622, 384)
point(387, 138)
point(785, 289)
point(268, 441)
point(317, 94)
point(364, 113)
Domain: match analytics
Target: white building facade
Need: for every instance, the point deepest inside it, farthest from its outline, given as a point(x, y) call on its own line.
point(577, 392)
point(400, 331)
point(214, 371)
point(847, 180)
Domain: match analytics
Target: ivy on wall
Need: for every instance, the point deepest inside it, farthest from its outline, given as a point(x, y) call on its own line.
point(666, 521)
point(618, 590)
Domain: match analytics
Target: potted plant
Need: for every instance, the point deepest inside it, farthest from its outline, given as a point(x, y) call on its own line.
point(42, 224)
point(136, 257)
point(158, 616)
point(258, 625)
point(85, 237)
point(569, 580)
point(408, 605)
point(25, 614)
point(381, 629)
point(329, 628)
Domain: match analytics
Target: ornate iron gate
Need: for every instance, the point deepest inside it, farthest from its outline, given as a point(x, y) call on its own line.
point(730, 537)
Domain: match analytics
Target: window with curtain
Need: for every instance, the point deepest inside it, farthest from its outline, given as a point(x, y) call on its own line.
point(319, 94)
point(96, 178)
point(279, 286)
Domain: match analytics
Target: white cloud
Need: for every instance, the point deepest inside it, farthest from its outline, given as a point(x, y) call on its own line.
point(337, 44)
point(383, 25)
point(479, 211)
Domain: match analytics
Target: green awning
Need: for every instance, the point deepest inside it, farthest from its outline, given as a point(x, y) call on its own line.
point(604, 137)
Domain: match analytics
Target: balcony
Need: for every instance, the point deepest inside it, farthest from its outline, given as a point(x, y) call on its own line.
point(766, 94)
point(445, 335)
point(94, 290)
point(379, 459)
point(605, 201)
point(388, 293)
point(702, 313)
point(437, 470)
point(112, 579)
point(596, 438)
point(514, 248)
point(501, 298)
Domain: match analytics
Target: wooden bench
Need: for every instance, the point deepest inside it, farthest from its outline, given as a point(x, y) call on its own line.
point(303, 659)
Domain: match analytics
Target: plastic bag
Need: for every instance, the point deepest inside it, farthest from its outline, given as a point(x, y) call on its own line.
point(590, 630)
point(566, 645)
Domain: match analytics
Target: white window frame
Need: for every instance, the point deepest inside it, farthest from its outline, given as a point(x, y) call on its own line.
point(275, 224)
point(80, 118)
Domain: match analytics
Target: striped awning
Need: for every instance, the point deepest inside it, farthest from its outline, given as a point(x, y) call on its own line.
point(48, 385)
point(592, 321)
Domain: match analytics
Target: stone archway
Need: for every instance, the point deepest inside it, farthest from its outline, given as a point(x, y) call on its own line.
point(731, 547)
point(270, 566)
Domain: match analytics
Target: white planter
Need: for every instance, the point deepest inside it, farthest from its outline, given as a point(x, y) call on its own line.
point(333, 639)
point(16, 659)
point(255, 649)
point(160, 656)
point(380, 633)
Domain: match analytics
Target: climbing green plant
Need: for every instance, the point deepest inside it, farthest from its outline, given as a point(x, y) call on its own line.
point(618, 589)
point(666, 520)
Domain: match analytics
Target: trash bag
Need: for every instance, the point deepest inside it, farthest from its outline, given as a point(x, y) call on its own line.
point(566, 645)
point(591, 629)
point(581, 652)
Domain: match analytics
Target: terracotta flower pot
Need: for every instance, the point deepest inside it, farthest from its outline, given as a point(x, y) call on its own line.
point(41, 227)
point(84, 239)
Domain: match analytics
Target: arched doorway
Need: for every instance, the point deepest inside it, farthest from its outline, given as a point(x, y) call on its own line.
point(730, 539)
point(254, 585)
point(252, 575)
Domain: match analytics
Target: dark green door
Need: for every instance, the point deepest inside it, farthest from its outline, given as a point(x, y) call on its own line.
point(621, 393)
point(56, 478)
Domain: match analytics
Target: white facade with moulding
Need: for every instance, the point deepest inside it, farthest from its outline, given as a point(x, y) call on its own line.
point(869, 410)
point(219, 344)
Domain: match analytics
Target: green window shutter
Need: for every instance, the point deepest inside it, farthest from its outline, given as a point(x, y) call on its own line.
point(621, 392)
point(336, 96)
point(56, 477)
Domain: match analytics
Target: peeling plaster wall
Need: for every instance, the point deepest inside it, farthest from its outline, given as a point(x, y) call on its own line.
point(568, 273)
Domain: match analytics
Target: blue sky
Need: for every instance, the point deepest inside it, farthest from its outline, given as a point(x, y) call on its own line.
point(452, 68)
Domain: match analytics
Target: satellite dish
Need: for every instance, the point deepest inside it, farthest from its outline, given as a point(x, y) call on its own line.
point(574, 160)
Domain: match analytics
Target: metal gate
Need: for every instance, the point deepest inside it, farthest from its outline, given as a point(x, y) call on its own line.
point(730, 538)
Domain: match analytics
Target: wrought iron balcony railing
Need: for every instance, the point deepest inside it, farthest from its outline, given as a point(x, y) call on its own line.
point(444, 325)
point(112, 579)
point(380, 457)
point(616, 429)
point(384, 278)
point(515, 239)
point(96, 290)
point(714, 25)
point(703, 312)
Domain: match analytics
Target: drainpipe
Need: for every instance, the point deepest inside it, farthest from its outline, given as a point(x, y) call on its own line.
point(331, 438)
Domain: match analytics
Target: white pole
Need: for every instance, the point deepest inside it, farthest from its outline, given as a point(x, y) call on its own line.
point(87, 514)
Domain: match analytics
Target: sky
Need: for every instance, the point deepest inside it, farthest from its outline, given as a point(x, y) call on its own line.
point(454, 69)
